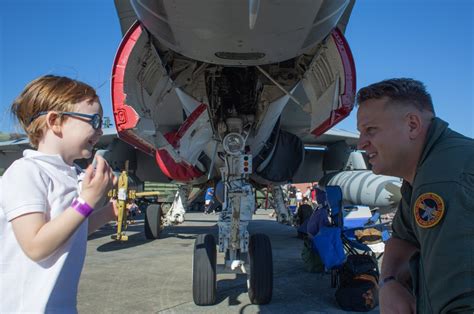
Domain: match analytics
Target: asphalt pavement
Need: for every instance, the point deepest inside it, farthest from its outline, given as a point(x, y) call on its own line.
point(155, 276)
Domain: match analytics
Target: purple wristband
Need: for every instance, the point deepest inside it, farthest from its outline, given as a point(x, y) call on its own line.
point(82, 207)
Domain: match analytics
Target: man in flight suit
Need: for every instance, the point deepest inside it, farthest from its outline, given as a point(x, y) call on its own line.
point(433, 230)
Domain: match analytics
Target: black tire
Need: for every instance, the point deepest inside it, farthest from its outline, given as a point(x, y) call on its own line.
point(204, 270)
point(153, 221)
point(260, 281)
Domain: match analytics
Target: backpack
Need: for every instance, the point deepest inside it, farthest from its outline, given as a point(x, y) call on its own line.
point(311, 260)
point(358, 290)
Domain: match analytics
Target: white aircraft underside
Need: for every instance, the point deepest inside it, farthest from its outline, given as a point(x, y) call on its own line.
point(189, 73)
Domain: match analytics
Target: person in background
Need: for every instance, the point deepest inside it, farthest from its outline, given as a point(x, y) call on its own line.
point(208, 199)
point(314, 196)
point(132, 211)
point(307, 193)
point(299, 198)
point(304, 212)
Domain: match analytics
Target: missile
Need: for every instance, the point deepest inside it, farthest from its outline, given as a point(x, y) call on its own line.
point(363, 187)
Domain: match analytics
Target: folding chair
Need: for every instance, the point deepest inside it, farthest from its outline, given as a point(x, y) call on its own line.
point(349, 220)
point(325, 235)
point(353, 218)
point(334, 200)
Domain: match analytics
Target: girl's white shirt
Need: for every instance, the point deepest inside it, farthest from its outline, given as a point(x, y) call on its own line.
point(39, 183)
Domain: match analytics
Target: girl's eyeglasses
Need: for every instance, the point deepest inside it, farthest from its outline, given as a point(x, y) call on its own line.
point(93, 119)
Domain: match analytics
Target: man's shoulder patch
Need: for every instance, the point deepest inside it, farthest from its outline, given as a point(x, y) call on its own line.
point(429, 209)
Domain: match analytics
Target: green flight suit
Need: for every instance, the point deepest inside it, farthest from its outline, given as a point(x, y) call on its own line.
point(436, 214)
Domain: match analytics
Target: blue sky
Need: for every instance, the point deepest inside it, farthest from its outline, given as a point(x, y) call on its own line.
point(429, 40)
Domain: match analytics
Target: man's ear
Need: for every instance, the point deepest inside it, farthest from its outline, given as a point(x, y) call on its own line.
point(53, 121)
point(415, 124)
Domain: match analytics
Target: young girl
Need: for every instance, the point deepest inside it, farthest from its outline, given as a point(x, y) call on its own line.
point(45, 218)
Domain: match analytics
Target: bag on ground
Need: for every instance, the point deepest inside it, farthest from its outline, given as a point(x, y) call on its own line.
point(311, 260)
point(358, 290)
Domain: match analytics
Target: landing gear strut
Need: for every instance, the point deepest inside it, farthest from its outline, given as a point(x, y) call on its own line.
point(234, 240)
point(283, 214)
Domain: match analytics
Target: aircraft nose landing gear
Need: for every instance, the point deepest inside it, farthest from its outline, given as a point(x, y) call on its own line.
point(234, 240)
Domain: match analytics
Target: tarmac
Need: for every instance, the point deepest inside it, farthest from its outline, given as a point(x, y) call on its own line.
point(155, 276)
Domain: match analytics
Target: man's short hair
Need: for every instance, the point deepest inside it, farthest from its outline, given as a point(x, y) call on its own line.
point(400, 90)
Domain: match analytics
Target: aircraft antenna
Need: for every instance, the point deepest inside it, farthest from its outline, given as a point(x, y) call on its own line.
point(254, 5)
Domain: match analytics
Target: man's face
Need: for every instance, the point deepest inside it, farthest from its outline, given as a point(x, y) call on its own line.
point(384, 135)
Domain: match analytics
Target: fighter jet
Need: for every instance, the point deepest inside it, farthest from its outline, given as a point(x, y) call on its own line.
point(232, 90)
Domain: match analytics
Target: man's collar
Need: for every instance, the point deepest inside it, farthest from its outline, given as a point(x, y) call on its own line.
point(435, 131)
point(406, 190)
